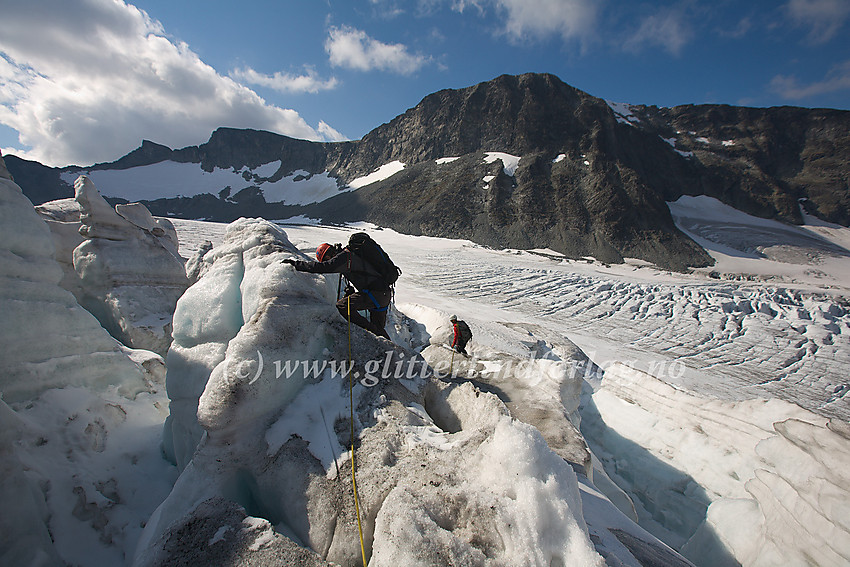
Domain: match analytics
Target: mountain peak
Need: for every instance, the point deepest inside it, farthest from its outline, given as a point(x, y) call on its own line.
point(585, 178)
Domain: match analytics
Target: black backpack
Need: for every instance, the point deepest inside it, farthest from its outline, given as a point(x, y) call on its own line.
point(464, 331)
point(371, 252)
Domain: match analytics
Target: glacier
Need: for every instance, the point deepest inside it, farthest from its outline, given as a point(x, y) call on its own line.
point(78, 411)
point(121, 264)
point(433, 454)
point(616, 415)
point(49, 341)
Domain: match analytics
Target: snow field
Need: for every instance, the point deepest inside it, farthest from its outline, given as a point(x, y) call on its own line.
point(509, 162)
point(168, 179)
point(97, 457)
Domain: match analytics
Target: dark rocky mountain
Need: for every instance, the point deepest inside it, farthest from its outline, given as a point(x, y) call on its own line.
point(593, 178)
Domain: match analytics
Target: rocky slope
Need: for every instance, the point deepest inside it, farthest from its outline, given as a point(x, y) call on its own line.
point(592, 178)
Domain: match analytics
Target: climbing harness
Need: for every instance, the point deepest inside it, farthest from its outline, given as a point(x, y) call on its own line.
point(351, 418)
point(375, 301)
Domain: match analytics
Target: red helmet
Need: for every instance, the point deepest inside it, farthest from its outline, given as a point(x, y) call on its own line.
point(322, 251)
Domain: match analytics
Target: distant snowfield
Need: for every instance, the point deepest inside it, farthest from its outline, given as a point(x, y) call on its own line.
point(815, 256)
point(169, 179)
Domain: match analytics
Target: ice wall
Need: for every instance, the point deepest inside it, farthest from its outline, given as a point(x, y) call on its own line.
point(753, 482)
point(130, 272)
point(794, 515)
point(444, 473)
point(63, 219)
point(49, 342)
point(23, 523)
point(48, 339)
point(246, 305)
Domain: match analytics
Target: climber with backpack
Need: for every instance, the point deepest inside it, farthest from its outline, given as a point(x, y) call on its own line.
point(366, 267)
point(462, 334)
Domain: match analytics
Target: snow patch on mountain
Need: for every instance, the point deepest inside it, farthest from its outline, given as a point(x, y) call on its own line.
point(623, 112)
point(301, 188)
point(168, 179)
point(509, 162)
point(384, 172)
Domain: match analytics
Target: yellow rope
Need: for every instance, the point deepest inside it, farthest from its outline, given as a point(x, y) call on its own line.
point(351, 407)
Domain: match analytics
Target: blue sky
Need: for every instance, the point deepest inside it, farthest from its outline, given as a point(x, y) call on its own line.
point(84, 81)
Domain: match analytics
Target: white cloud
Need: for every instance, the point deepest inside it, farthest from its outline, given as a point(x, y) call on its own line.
point(329, 133)
point(824, 17)
point(461, 5)
point(354, 49)
point(837, 79)
point(86, 81)
point(530, 19)
point(667, 28)
point(536, 19)
point(309, 82)
point(387, 9)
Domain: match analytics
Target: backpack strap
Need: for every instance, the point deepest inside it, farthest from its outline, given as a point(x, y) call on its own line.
point(375, 301)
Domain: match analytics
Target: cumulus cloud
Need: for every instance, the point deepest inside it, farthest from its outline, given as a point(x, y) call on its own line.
point(823, 17)
point(537, 19)
point(86, 81)
point(329, 133)
point(571, 19)
point(354, 49)
point(309, 82)
point(667, 28)
point(836, 80)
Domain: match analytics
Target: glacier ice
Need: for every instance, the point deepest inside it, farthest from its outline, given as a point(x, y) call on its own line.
point(130, 272)
point(751, 482)
point(65, 387)
point(63, 219)
point(797, 510)
point(746, 480)
point(240, 307)
point(49, 340)
point(541, 387)
point(237, 434)
point(26, 539)
point(219, 532)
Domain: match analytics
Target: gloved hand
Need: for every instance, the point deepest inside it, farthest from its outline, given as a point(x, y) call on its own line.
point(349, 290)
point(289, 261)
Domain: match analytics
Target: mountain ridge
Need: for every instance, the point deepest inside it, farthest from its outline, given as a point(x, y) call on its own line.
point(593, 177)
